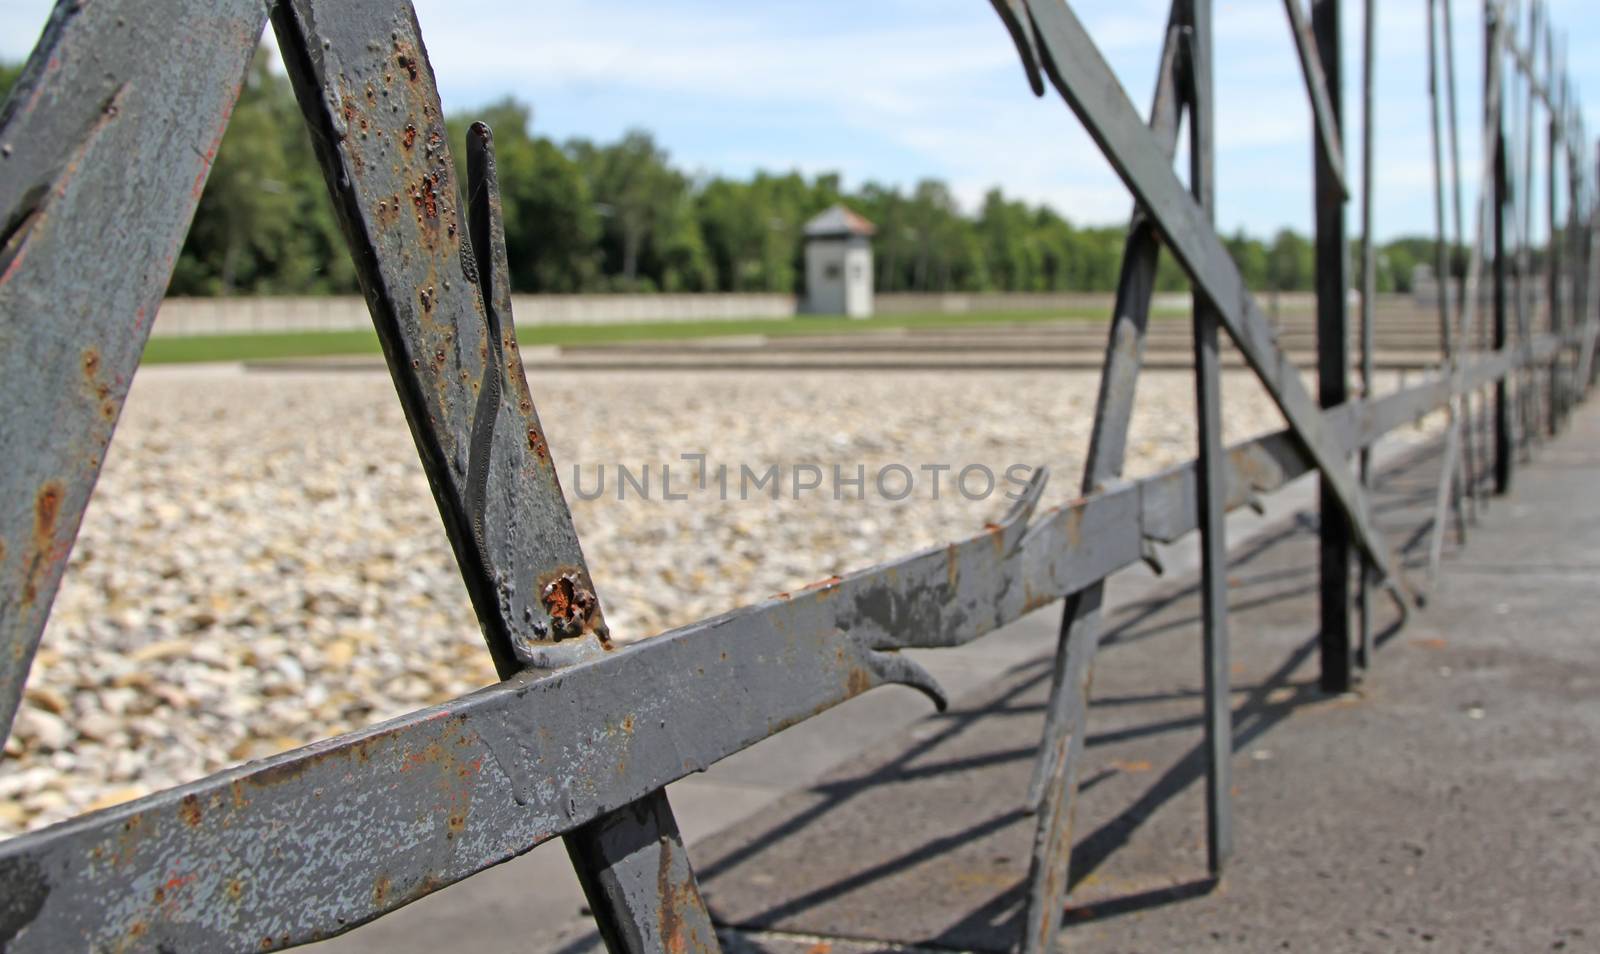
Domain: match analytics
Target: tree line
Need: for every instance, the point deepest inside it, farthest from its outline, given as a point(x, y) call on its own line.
point(582, 216)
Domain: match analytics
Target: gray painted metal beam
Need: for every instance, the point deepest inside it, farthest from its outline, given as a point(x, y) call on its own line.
point(109, 88)
point(1211, 482)
point(1079, 72)
point(1369, 291)
point(1052, 794)
point(435, 276)
point(1460, 499)
point(368, 93)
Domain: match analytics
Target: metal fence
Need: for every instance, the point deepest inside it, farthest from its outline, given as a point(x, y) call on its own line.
point(106, 142)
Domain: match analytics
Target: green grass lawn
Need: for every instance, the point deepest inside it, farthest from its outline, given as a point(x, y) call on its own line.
point(307, 344)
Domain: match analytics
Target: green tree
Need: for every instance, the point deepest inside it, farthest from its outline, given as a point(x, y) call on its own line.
point(246, 214)
point(264, 224)
point(551, 222)
point(650, 238)
point(1290, 265)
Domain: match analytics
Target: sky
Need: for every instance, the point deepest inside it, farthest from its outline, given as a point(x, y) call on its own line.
point(895, 91)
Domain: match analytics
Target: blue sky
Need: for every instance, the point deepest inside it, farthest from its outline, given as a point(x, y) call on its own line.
point(899, 90)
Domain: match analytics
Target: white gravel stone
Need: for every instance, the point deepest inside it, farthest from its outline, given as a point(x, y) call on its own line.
point(262, 564)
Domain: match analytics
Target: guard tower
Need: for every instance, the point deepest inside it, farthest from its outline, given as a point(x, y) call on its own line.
point(839, 264)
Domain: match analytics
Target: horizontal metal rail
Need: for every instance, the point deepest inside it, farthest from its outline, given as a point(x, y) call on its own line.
point(314, 842)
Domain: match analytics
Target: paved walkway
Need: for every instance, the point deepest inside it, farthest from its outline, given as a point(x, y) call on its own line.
point(1450, 804)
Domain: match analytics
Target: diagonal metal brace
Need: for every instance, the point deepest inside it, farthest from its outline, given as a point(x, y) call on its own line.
point(435, 274)
point(1316, 77)
point(1075, 66)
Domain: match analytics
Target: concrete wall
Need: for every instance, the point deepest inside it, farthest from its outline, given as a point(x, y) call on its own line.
point(209, 316)
point(956, 303)
point(204, 316)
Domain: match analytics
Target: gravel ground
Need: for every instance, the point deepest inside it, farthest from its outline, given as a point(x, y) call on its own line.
point(262, 564)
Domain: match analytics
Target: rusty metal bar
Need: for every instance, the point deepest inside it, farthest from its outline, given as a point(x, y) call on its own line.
point(1052, 794)
point(435, 276)
point(380, 136)
point(69, 344)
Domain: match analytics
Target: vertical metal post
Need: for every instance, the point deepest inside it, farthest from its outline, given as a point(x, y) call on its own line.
point(1504, 447)
point(635, 873)
point(1468, 421)
point(1052, 794)
point(1520, 179)
point(1553, 256)
point(1212, 482)
point(1456, 423)
point(1369, 282)
point(1333, 358)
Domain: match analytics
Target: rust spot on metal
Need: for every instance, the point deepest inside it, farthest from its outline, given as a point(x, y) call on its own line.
point(425, 196)
point(46, 508)
point(91, 363)
point(858, 681)
point(388, 212)
point(569, 603)
point(189, 810)
point(46, 552)
point(1073, 522)
point(824, 584)
point(235, 889)
point(677, 899)
point(426, 297)
point(536, 444)
point(408, 63)
point(380, 891)
point(410, 137)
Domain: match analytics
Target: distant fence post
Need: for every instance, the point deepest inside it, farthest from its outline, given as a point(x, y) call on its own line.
point(1504, 445)
point(1333, 354)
